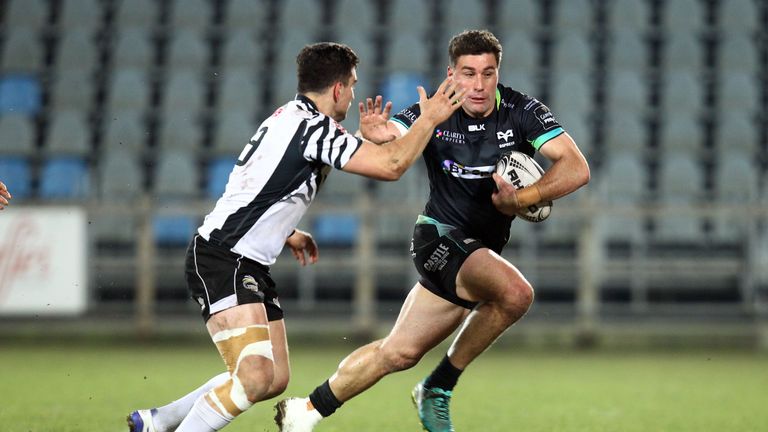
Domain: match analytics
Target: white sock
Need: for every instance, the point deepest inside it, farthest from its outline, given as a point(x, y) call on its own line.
point(168, 417)
point(202, 418)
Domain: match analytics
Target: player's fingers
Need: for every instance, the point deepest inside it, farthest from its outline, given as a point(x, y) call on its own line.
point(314, 253)
point(361, 107)
point(444, 85)
point(387, 109)
point(369, 103)
point(422, 93)
point(377, 105)
point(498, 180)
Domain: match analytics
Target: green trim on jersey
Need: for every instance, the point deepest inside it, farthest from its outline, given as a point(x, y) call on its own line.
point(538, 142)
point(398, 121)
point(442, 229)
point(498, 98)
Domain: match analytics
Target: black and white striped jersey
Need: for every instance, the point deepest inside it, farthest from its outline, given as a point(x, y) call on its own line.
point(275, 179)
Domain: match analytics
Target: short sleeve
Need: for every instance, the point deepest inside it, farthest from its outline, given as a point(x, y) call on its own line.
point(327, 142)
point(539, 124)
point(406, 117)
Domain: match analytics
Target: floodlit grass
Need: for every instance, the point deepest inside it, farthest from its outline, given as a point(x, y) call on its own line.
point(81, 387)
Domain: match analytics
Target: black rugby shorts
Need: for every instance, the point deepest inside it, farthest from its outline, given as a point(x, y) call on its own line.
point(438, 251)
point(218, 279)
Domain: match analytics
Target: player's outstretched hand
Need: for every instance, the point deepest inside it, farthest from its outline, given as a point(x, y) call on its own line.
point(446, 100)
point(373, 120)
point(302, 243)
point(505, 196)
point(5, 196)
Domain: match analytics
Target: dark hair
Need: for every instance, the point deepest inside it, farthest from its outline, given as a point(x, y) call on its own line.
point(323, 64)
point(471, 42)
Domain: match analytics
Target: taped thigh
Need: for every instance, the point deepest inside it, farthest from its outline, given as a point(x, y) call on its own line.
point(230, 398)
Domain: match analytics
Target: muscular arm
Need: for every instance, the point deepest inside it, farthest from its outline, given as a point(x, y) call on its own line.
point(390, 160)
point(569, 171)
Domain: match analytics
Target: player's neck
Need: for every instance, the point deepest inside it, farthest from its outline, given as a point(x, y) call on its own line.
point(323, 102)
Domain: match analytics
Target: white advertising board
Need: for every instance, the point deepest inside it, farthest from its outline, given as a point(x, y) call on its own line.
point(42, 261)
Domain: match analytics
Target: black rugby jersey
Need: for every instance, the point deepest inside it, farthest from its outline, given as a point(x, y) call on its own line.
point(461, 156)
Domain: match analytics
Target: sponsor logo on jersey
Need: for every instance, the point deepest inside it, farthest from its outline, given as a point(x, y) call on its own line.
point(545, 117)
point(449, 136)
point(476, 127)
point(467, 172)
point(438, 259)
point(249, 283)
point(506, 104)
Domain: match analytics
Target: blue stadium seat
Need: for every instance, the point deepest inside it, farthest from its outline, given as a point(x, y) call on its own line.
point(65, 178)
point(173, 230)
point(400, 88)
point(15, 172)
point(20, 93)
point(218, 176)
point(336, 230)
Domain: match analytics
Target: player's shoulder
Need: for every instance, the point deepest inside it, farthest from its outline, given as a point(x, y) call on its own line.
point(508, 98)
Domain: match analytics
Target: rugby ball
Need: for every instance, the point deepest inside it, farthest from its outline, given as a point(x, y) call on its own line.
point(520, 170)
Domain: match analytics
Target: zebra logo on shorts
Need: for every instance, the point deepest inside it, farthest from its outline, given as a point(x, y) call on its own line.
point(249, 283)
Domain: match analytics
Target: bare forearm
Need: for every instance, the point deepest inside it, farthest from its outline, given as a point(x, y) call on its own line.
point(404, 151)
point(564, 176)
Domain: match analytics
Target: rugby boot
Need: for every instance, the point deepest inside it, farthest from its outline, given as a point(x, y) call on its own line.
point(141, 421)
point(432, 405)
point(294, 415)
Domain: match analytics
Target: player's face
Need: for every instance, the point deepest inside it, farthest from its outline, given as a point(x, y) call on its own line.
point(478, 74)
point(346, 95)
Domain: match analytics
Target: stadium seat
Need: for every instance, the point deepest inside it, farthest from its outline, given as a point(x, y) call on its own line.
point(400, 88)
point(192, 15)
point(120, 182)
point(246, 14)
point(683, 91)
point(459, 15)
point(735, 186)
point(342, 187)
point(683, 16)
point(137, 13)
point(518, 80)
point(356, 16)
point(65, 178)
point(173, 231)
point(413, 16)
point(180, 131)
point(238, 92)
point(336, 230)
point(72, 90)
point(627, 51)
point(526, 58)
point(16, 173)
point(576, 124)
point(739, 17)
point(681, 132)
point(363, 44)
point(28, 14)
point(571, 92)
point(403, 55)
point(735, 133)
point(680, 185)
point(572, 52)
point(232, 131)
point(630, 15)
point(624, 184)
point(738, 53)
point(524, 15)
point(129, 90)
point(242, 49)
point(133, 48)
point(77, 52)
point(81, 15)
point(20, 94)
point(305, 14)
point(739, 92)
point(184, 93)
point(68, 134)
point(627, 92)
point(574, 17)
point(16, 135)
point(176, 175)
point(22, 51)
point(188, 51)
point(125, 131)
point(683, 52)
point(218, 172)
point(625, 132)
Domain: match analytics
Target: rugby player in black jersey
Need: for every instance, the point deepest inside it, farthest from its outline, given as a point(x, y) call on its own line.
point(458, 239)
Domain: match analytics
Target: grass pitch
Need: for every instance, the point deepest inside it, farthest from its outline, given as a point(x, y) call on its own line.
point(80, 387)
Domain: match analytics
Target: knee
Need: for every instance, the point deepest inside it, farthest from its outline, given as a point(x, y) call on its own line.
point(279, 384)
point(517, 298)
point(256, 374)
point(400, 358)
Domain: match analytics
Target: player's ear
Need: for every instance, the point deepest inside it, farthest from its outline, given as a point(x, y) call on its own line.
point(337, 91)
point(450, 72)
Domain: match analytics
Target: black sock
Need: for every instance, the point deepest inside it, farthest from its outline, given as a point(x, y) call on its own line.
point(324, 400)
point(444, 376)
